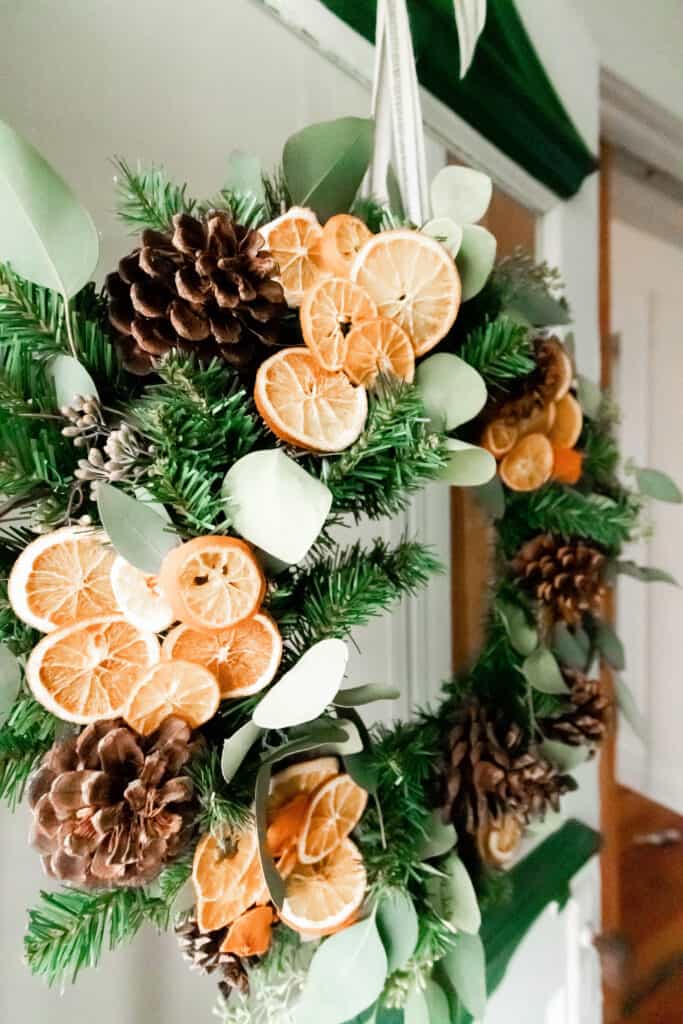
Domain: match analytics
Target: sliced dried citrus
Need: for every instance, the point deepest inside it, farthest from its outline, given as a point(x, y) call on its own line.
point(329, 310)
point(244, 658)
point(499, 437)
point(379, 346)
point(414, 281)
point(308, 406)
point(251, 934)
point(212, 582)
point(62, 578)
point(86, 672)
point(529, 464)
point(335, 809)
point(175, 688)
point(294, 239)
point(324, 895)
point(539, 421)
point(567, 466)
point(566, 429)
point(139, 597)
point(556, 368)
point(286, 825)
point(303, 777)
point(226, 885)
point(343, 238)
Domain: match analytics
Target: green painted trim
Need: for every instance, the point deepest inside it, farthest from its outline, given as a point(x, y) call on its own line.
point(507, 95)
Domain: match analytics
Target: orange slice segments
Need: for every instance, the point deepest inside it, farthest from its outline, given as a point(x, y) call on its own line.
point(414, 281)
point(379, 346)
point(323, 896)
point(243, 658)
point(139, 597)
point(173, 688)
point(308, 406)
point(226, 885)
point(87, 672)
point(62, 578)
point(343, 238)
point(212, 582)
point(303, 777)
point(294, 239)
point(529, 465)
point(499, 437)
point(334, 811)
point(566, 429)
point(329, 310)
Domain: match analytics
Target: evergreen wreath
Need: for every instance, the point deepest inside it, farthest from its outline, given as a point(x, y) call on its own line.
point(176, 451)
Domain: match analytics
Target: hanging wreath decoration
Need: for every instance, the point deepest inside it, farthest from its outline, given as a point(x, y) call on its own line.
point(260, 368)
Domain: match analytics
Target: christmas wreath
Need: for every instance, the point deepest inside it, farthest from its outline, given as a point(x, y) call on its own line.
point(180, 454)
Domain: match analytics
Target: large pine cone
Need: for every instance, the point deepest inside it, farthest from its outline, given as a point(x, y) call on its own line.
point(110, 807)
point(566, 576)
point(491, 774)
point(202, 950)
point(587, 722)
point(207, 288)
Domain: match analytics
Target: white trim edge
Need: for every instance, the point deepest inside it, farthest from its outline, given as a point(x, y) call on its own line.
point(639, 125)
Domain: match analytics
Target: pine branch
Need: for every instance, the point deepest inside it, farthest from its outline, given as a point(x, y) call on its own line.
point(557, 509)
point(30, 314)
point(26, 736)
point(276, 192)
point(221, 809)
point(148, 199)
point(501, 350)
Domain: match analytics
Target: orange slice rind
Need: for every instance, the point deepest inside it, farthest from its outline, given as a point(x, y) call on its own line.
point(172, 687)
point(378, 346)
point(529, 464)
point(329, 310)
point(333, 812)
point(139, 597)
point(226, 884)
point(342, 239)
point(568, 424)
point(294, 240)
point(323, 896)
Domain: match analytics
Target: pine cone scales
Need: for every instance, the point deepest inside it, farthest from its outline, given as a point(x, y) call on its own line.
point(110, 807)
point(208, 288)
point(491, 774)
point(565, 576)
point(586, 723)
point(202, 951)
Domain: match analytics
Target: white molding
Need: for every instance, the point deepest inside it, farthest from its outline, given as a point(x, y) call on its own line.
point(632, 121)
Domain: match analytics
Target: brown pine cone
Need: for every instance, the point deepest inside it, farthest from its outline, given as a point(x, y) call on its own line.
point(202, 950)
point(110, 807)
point(207, 288)
point(492, 774)
point(565, 576)
point(587, 722)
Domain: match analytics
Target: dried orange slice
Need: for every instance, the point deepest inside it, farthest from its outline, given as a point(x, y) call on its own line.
point(556, 368)
point(62, 578)
point(226, 885)
point(540, 421)
point(529, 464)
point(173, 688)
point(251, 934)
point(308, 406)
point(212, 582)
point(286, 825)
point(295, 242)
point(566, 429)
point(379, 346)
point(323, 896)
point(335, 809)
point(303, 777)
point(244, 658)
point(88, 671)
point(567, 466)
point(343, 238)
point(499, 437)
point(139, 597)
point(329, 310)
point(414, 281)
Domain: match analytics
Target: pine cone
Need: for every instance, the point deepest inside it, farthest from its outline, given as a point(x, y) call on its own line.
point(110, 807)
point(492, 774)
point(586, 723)
point(202, 950)
point(565, 576)
point(548, 382)
point(206, 288)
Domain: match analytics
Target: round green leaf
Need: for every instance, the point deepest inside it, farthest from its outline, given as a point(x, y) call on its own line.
point(543, 672)
point(304, 692)
point(416, 1010)
point(70, 378)
point(10, 681)
point(245, 174)
point(445, 231)
point(491, 497)
point(475, 259)
point(275, 504)
point(236, 748)
point(468, 466)
point(136, 530)
point(398, 927)
point(47, 236)
point(465, 967)
point(461, 193)
point(440, 837)
point(609, 645)
point(461, 904)
point(325, 163)
point(355, 696)
point(522, 633)
point(572, 647)
point(658, 485)
point(452, 391)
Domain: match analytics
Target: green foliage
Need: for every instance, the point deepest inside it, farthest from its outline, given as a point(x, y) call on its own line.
point(222, 809)
point(501, 350)
point(26, 736)
point(276, 192)
point(148, 199)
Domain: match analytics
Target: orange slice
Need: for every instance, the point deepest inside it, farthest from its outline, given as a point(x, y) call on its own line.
point(173, 688)
point(499, 437)
point(379, 346)
point(251, 934)
point(334, 811)
point(295, 242)
point(529, 464)
point(308, 406)
point(567, 466)
point(244, 658)
point(139, 597)
point(303, 777)
point(414, 281)
point(212, 582)
point(62, 578)
point(540, 421)
point(86, 672)
point(329, 310)
point(566, 429)
point(226, 885)
point(324, 895)
point(557, 368)
point(286, 825)
point(343, 238)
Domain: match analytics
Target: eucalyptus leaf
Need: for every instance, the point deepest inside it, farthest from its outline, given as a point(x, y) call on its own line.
point(534, 305)
point(10, 681)
point(437, 1003)
point(445, 231)
point(356, 696)
point(440, 837)
point(348, 747)
point(363, 770)
point(304, 692)
point(416, 1010)
point(523, 634)
point(460, 906)
point(572, 647)
point(346, 976)
point(47, 236)
point(236, 748)
point(397, 923)
point(452, 391)
point(325, 163)
point(468, 465)
point(137, 532)
point(70, 378)
point(656, 484)
point(590, 396)
point(245, 174)
point(630, 709)
point(543, 673)
point(465, 967)
point(461, 194)
point(491, 497)
point(274, 881)
point(316, 736)
point(645, 573)
point(563, 755)
point(148, 499)
point(609, 645)
point(475, 259)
